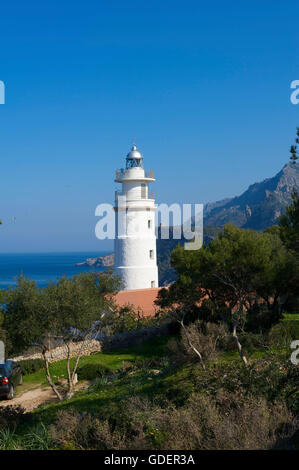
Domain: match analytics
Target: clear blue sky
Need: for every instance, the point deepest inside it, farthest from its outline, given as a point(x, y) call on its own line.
point(204, 87)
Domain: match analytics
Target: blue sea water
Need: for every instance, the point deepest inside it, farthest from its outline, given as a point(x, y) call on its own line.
point(43, 267)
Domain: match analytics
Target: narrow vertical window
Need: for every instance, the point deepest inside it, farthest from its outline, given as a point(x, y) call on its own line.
point(151, 254)
point(152, 284)
point(149, 224)
point(143, 191)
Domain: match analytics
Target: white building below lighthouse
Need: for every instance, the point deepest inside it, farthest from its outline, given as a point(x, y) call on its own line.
point(135, 240)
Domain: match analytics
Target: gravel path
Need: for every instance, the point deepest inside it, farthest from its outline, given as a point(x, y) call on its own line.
point(32, 398)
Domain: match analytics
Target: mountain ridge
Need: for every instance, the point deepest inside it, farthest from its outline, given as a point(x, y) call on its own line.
point(260, 206)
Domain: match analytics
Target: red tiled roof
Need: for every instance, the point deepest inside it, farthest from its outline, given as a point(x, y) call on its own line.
point(142, 298)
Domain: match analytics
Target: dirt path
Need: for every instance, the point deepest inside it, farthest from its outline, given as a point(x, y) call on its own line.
point(32, 398)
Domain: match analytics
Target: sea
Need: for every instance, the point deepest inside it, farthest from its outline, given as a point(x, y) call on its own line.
point(43, 267)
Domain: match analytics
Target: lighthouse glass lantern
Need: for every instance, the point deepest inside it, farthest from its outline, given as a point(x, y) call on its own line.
point(134, 158)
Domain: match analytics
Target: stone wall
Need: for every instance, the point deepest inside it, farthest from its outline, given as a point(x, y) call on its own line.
point(59, 353)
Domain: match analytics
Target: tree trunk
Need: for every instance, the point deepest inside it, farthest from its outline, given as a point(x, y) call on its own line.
point(192, 346)
point(69, 376)
point(48, 375)
point(77, 359)
point(239, 346)
point(72, 375)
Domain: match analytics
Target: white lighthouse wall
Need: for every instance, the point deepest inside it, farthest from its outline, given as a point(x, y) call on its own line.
point(138, 277)
point(132, 191)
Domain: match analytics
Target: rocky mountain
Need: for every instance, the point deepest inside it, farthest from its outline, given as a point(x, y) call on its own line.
point(260, 206)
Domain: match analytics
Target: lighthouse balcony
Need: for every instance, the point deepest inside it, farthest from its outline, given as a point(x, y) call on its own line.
point(134, 174)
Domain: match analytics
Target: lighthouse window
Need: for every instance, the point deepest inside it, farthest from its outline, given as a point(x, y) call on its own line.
point(143, 191)
point(152, 284)
point(151, 253)
point(149, 224)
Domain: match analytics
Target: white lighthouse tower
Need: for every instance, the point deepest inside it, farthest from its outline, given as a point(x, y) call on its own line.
point(135, 239)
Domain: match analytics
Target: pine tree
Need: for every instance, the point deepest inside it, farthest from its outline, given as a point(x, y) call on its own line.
point(293, 149)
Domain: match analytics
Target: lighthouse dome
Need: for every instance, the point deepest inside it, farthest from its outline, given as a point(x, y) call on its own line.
point(134, 153)
point(134, 158)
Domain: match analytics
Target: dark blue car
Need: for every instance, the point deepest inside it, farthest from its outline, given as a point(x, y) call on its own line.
point(10, 377)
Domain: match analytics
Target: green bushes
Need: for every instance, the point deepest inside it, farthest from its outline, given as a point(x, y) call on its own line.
point(13, 421)
point(207, 338)
point(73, 431)
point(93, 371)
point(281, 335)
point(127, 318)
point(29, 366)
point(204, 422)
point(260, 318)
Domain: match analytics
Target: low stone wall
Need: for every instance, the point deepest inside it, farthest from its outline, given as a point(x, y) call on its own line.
point(59, 353)
point(106, 343)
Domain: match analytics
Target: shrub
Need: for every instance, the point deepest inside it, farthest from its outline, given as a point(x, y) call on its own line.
point(93, 371)
point(73, 430)
point(281, 335)
point(204, 422)
point(207, 338)
point(29, 366)
point(127, 318)
point(292, 305)
point(251, 342)
point(260, 318)
point(272, 381)
point(11, 416)
point(9, 440)
point(38, 438)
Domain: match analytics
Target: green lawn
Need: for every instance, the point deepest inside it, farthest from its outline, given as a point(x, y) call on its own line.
point(114, 359)
point(290, 316)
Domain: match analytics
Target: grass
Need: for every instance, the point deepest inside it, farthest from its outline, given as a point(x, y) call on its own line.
point(290, 317)
point(114, 359)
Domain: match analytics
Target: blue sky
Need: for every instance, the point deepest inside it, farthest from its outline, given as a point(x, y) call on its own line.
point(203, 87)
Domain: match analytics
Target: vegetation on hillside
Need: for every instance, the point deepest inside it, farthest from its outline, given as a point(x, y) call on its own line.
point(157, 396)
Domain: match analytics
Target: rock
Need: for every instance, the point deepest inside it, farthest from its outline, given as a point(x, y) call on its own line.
point(259, 206)
point(101, 261)
point(155, 371)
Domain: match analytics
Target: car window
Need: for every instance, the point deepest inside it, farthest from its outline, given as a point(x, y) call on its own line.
point(8, 366)
point(2, 371)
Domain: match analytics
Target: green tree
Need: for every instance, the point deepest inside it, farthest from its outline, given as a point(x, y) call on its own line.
point(289, 233)
point(68, 311)
point(294, 150)
point(236, 271)
point(289, 224)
